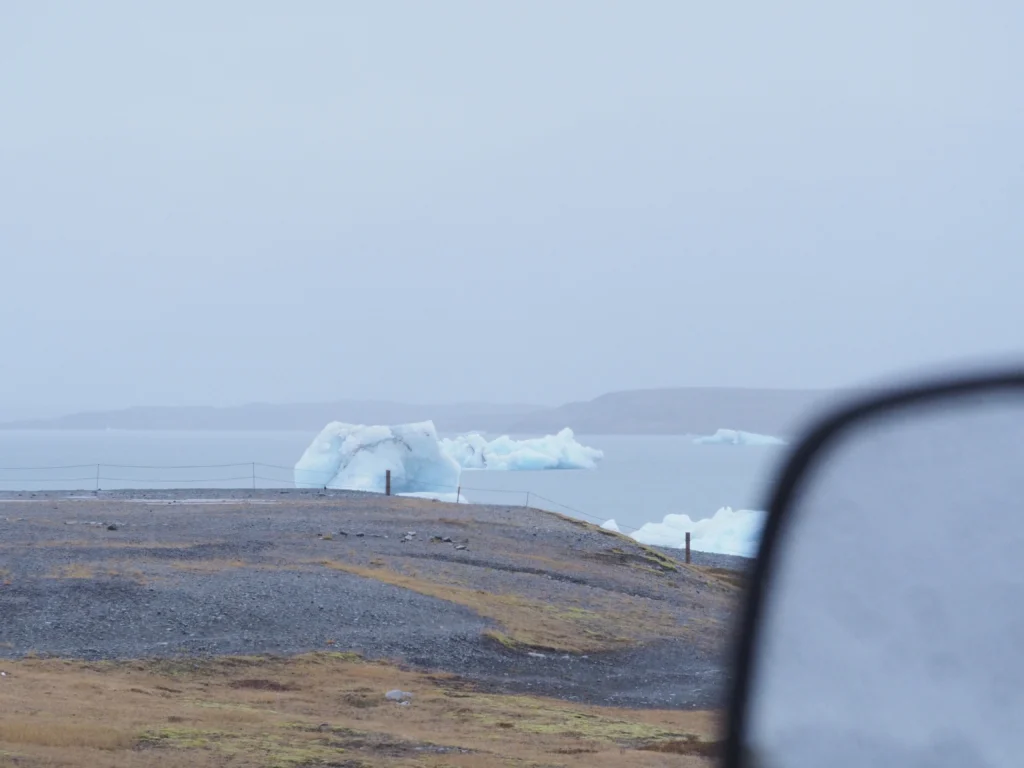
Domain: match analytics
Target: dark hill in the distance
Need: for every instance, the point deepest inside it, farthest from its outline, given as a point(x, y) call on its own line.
point(685, 410)
point(690, 410)
point(287, 416)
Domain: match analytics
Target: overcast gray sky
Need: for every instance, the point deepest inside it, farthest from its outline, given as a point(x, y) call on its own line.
point(219, 202)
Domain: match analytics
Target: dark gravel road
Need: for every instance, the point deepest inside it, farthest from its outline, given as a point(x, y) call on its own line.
point(133, 574)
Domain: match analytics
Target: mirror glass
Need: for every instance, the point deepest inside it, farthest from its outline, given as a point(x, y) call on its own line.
point(893, 632)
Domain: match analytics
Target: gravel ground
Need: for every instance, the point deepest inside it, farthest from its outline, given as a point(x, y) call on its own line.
point(136, 574)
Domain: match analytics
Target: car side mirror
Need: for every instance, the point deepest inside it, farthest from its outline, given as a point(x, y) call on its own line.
point(884, 623)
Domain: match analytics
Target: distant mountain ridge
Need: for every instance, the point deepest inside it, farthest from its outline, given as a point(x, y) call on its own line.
point(690, 410)
point(286, 416)
point(682, 410)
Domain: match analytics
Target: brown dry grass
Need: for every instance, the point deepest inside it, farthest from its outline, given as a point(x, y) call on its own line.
point(51, 733)
point(213, 565)
point(73, 571)
point(320, 709)
point(87, 571)
point(723, 575)
point(533, 623)
point(129, 573)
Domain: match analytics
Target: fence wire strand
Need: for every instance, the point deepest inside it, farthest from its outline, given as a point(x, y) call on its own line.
point(175, 480)
point(47, 469)
point(254, 477)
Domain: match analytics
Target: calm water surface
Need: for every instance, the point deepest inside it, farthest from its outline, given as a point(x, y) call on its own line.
point(642, 478)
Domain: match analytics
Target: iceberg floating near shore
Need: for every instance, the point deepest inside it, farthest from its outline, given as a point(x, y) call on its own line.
point(561, 451)
point(356, 457)
point(727, 532)
point(737, 437)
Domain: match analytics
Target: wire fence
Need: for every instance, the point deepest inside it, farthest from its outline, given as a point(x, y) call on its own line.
point(252, 475)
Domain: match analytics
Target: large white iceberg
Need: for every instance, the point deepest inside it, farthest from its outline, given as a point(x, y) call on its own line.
point(737, 437)
point(357, 457)
point(561, 451)
point(728, 532)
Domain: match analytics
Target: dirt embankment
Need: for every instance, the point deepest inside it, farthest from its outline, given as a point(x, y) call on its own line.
point(512, 600)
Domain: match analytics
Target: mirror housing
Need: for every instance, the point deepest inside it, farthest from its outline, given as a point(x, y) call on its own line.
point(812, 551)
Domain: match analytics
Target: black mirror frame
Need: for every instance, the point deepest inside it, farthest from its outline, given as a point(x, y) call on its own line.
point(795, 469)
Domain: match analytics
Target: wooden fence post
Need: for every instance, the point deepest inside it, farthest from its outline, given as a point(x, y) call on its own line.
point(387, 483)
point(458, 494)
point(687, 547)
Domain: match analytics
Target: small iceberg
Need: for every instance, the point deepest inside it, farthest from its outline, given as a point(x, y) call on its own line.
point(728, 532)
point(561, 451)
point(737, 437)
